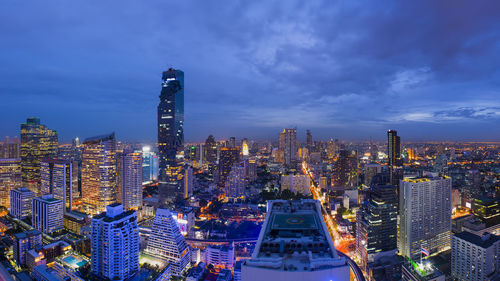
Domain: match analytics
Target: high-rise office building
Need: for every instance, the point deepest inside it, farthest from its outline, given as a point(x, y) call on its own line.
point(59, 177)
point(309, 141)
point(25, 241)
point(330, 150)
point(294, 244)
point(9, 148)
point(228, 157)
point(10, 178)
point(149, 165)
point(394, 154)
point(188, 182)
point(167, 243)
point(115, 243)
point(244, 147)
point(376, 230)
point(345, 170)
point(47, 214)
point(171, 136)
point(210, 150)
point(37, 142)
point(370, 171)
point(21, 202)
point(425, 216)
point(131, 180)
point(232, 142)
point(288, 146)
point(236, 182)
point(475, 257)
point(99, 171)
point(251, 169)
point(393, 148)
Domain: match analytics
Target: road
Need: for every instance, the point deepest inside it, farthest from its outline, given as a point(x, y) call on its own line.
point(342, 244)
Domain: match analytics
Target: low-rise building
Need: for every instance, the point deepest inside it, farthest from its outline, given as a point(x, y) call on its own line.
point(70, 264)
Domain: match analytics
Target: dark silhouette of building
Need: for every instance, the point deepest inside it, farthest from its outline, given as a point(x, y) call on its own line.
point(171, 136)
point(228, 157)
point(210, 150)
point(309, 141)
point(394, 154)
point(376, 231)
point(345, 171)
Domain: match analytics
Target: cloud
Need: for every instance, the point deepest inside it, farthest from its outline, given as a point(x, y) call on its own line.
point(317, 64)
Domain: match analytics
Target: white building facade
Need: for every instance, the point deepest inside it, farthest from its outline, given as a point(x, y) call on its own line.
point(47, 214)
point(131, 180)
point(167, 243)
point(296, 183)
point(20, 202)
point(425, 216)
point(475, 257)
point(115, 243)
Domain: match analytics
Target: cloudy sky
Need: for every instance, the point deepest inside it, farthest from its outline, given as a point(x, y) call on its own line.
point(345, 69)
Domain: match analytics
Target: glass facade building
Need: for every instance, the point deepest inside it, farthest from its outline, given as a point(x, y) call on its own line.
point(37, 142)
point(376, 230)
point(60, 178)
point(10, 178)
point(99, 171)
point(171, 136)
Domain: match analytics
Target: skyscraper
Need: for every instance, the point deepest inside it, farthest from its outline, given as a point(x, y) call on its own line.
point(345, 170)
point(228, 157)
point(10, 178)
point(9, 148)
point(370, 171)
point(149, 165)
point(376, 231)
point(59, 177)
point(167, 243)
point(232, 142)
point(236, 182)
point(210, 149)
point(99, 184)
point(244, 147)
point(115, 243)
point(393, 148)
point(394, 154)
point(425, 215)
point(21, 202)
point(330, 150)
point(47, 214)
point(37, 142)
point(171, 136)
point(188, 182)
point(131, 180)
point(288, 146)
point(309, 141)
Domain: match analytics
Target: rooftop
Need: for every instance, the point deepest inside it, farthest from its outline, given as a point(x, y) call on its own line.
point(28, 233)
point(424, 179)
point(294, 238)
point(100, 138)
point(73, 260)
point(486, 241)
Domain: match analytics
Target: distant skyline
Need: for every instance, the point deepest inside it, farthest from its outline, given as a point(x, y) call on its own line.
point(344, 69)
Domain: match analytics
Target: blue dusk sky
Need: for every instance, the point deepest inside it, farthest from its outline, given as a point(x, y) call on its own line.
point(344, 69)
